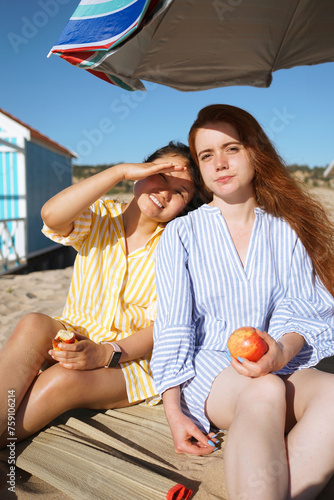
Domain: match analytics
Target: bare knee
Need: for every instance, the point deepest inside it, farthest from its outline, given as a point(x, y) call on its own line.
point(37, 325)
point(33, 324)
point(62, 379)
point(267, 391)
point(70, 389)
point(313, 390)
point(325, 386)
point(59, 386)
point(33, 337)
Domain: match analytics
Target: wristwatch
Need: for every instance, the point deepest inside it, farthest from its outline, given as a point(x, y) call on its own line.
point(115, 355)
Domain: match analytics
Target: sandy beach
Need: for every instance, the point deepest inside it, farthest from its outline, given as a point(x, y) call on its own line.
point(326, 197)
point(43, 292)
point(46, 292)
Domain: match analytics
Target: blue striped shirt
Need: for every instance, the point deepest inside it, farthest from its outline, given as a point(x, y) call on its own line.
point(205, 293)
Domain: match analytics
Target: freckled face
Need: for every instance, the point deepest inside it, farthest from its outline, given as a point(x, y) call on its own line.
point(162, 197)
point(224, 162)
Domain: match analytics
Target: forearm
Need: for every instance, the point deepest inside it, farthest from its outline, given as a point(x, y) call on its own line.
point(64, 208)
point(291, 343)
point(186, 435)
point(171, 401)
point(135, 346)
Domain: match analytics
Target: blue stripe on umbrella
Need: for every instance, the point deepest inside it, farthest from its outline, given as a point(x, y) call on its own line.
point(95, 30)
point(99, 9)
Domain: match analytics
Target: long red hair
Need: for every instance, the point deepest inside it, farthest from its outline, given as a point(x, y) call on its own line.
point(276, 191)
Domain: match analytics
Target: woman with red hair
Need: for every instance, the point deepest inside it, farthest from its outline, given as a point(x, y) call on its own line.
point(260, 254)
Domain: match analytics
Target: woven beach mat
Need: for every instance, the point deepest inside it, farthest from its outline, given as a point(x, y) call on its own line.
point(123, 454)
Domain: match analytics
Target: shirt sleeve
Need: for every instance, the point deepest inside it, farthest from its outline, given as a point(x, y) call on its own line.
point(151, 311)
point(174, 332)
point(77, 236)
point(307, 308)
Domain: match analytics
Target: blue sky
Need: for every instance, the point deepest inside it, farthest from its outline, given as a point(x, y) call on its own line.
point(73, 107)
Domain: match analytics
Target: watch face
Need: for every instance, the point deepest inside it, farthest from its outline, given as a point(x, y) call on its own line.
point(116, 356)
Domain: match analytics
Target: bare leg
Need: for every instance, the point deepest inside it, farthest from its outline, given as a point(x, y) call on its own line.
point(253, 409)
point(310, 396)
point(22, 356)
point(58, 389)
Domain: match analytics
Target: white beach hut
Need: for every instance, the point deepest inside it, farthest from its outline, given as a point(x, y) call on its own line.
point(32, 169)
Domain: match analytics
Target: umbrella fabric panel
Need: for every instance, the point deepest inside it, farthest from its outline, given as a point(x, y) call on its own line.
point(100, 25)
point(202, 45)
point(196, 45)
point(309, 38)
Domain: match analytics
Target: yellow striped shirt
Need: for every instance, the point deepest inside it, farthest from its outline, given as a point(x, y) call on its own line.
point(111, 291)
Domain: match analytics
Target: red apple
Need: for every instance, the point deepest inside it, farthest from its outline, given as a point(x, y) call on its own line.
point(65, 337)
point(246, 343)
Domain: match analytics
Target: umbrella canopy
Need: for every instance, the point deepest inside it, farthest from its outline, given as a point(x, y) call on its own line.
point(194, 44)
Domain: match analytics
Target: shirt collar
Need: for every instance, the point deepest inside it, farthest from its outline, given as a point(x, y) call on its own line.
point(215, 210)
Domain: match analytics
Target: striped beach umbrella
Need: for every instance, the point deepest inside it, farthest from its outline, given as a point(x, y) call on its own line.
point(95, 31)
point(196, 44)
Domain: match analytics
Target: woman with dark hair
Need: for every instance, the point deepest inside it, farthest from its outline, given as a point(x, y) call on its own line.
point(110, 304)
point(260, 254)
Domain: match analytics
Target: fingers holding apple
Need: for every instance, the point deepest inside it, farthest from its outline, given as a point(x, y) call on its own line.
point(63, 337)
point(77, 352)
point(245, 342)
point(269, 361)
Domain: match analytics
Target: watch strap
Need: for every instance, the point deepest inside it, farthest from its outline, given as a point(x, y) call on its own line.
point(115, 355)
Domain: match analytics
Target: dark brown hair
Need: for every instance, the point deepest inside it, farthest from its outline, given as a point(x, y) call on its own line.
point(180, 149)
point(276, 191)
